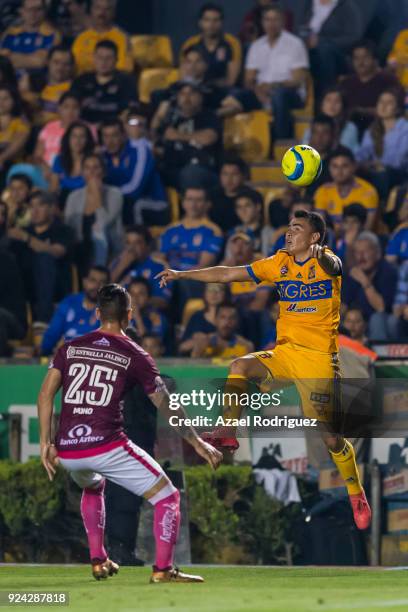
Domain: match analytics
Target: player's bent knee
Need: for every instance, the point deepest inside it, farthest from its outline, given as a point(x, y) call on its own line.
point(162, 490)
point(240, 366)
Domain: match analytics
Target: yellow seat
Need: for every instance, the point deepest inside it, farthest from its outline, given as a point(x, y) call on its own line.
point(191, 306)
point(266, 172)
point(173, 197)
point(248, 135)
point(280, 147)
point(308, 109)
point(152, 79)
point(151, 51)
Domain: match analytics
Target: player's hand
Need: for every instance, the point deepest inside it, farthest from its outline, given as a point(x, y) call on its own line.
point(166, 276)
point(317, 251)
point(49, 459)
point(208, 452)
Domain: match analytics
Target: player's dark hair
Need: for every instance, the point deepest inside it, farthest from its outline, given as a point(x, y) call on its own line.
point(113, 302)
point(357, 211)
point(368, 45)
point(322, 119)
point(141, 230)
point(23, 178)
point(234, 160)
point(316, 221)
point(140, 280)
point(210, 6)
point(107, 44)
point(250, 194)
point(341, 152)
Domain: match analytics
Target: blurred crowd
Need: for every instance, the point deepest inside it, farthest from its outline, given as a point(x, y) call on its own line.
point(108, 172)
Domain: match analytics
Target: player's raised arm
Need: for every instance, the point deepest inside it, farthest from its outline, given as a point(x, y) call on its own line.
point(162, 402)
point(45, 406)
point(330, 263)
point(216, 274)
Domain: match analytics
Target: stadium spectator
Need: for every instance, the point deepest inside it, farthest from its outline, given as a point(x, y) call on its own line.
point(43, 92)
point(131, 167)
point(153, 345)
point(276, 69)
point(77, 142)
point(333, 104)
point(279, 208)
point(395, 200)
point(249, 208)
point(353, 223)
point(384, 150)
point(102, 27)
point(75, 314)
point(44, 255)
point(189, 141)
point(222, 51)
point(224, 343)
point(70, 17)
point(104, 92)
point(323, 139)
point(329, 29)
point(203, 321)
point(27, 43)
point(145, 317)
point(345, 188)
point(136, 260)
point(95, 215)
point(398, 323)
point(17, 198)
point(233, 174)
point(49, 139)
point(397, 248)
point(251, 28)
point(371, 285)
point(363, 88)
point(14, 129)
point(239, 251)
point(136, 124)
point(398, 58)
point(13, 321)
point(355, 325)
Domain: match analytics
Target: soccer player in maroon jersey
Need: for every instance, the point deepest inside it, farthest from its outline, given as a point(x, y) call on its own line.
point(95, 371)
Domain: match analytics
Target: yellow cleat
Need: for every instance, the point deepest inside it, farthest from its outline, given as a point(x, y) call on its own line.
point(173, 575)
point(101, 571)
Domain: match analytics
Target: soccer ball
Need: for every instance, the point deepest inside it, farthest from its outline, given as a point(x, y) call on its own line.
point(301, 165)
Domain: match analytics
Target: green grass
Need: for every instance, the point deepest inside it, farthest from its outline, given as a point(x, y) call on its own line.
point(226, 589)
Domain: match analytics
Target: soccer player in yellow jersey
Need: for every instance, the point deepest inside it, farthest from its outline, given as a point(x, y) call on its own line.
point(308, 278)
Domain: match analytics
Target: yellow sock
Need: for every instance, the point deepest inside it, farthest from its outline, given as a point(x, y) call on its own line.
point(235, 386)
point(345, 461)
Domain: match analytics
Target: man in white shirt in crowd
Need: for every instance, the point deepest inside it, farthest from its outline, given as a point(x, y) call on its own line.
point(276, 70)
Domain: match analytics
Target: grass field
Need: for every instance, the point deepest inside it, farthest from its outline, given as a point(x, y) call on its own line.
point(234, 589)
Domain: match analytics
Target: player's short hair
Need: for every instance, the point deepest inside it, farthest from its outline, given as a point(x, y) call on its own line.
point(140, 280)
point(113, 302)
point(23, 178)
point(341, 152)
point(107, 44)
point(316, 221)
point(210, 6)
point(357, 211)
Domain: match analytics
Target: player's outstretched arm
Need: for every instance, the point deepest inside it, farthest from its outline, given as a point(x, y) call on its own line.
point(45, 406)
point(216, 274)
point(162, 402)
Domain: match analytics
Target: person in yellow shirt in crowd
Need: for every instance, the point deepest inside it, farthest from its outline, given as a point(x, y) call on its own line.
point(308, 279)
point(28, 43)
point(102, 28)
point(398, 57)
point(224, 343)
point(14, 130)
point(346, 188)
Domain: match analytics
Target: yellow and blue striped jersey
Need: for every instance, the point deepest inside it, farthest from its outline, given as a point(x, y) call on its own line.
point(309, 300)
point(183, 242)
point(18, 39)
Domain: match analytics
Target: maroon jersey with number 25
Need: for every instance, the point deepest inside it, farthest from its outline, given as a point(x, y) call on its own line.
point(97, 370)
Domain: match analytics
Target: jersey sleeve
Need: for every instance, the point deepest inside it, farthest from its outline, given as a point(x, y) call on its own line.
point(145, 372)
point(58, 361)
point(264, 270)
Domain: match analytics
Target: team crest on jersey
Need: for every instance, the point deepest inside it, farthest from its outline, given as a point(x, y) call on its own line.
point(102, 342)
point(160, 385)
point(283, 271)
point(312, 272)
point(299, 275)
point(197, 240)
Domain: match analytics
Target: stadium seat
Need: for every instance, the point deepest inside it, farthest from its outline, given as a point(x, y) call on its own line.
point(173, 197)
point(152, 51)
point(266, 172)
point(152, 79)
point(269, 191)
point(280, 147)
point(301, 125)
point(191, 306)
point(308, 109)
point(248, 135)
